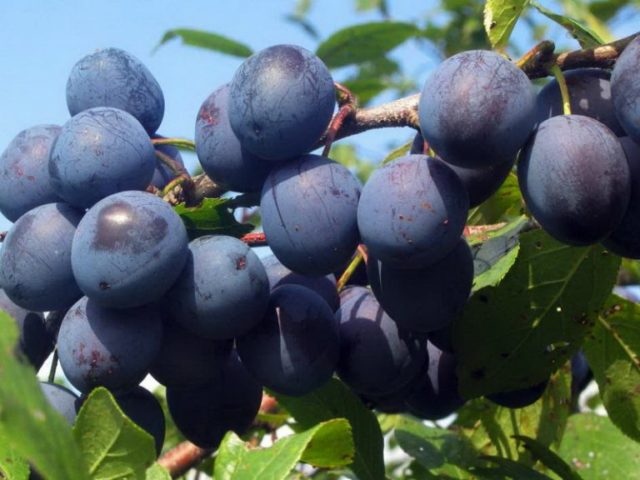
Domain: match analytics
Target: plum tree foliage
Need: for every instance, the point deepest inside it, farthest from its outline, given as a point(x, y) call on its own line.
point(460, 299)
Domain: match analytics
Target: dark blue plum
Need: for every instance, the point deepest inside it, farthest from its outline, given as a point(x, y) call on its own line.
point(63, 400)
point(115, 78)
point(24, 171)
point(480, 183)
point(295, 348)
point(443, 338)
point(223, 289)
point(309, 207)
point(391, 403)
point(435, 393)
point(162, 175)
point(575, 180)
point(281, 102)
point(219, 151)
point(589, 95)
point(625, 89)
point(325, 286)
point(418, 145)
point(427, 299)
point(376, 356)
point(128, 250)
point(412, 212)
point(99, 152)
point(186, 359)
point(145, 411)
point(519, 398)
point(581, 373)
point(477, 109)
point(35, 261)
point(204, 414)
point(625, 238)
point(109, 348)
point(36, 341)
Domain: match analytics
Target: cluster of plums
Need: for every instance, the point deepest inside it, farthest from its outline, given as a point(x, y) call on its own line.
point(212, 321)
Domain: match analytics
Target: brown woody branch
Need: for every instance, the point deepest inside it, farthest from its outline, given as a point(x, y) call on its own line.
point(182, 458)
point(603, 56)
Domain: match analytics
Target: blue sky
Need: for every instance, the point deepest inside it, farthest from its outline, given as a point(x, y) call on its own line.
point(41, 40)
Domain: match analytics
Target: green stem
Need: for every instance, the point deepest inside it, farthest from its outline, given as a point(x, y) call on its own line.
point(344, 278)
point(170, 163)
point(183, 143)
point(564, 91)
point(54, 366)
point(179, 180)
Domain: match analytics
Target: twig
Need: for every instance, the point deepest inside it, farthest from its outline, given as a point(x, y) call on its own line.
point(351, 268)
point(181, 458)
point(603, 56)
point(348, 106)
point(255, 239)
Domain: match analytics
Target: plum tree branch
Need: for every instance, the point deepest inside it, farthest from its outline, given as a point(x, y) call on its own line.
point(183, 457)
point(603, 56)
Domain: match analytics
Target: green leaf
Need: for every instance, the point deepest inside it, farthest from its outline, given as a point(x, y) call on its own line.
point(157, 472)
point(597, 449)
point(335, 400)
point(208, 40)
point(398, 152)
point(112, 445)
point(365, 5)
point(581, 12)
point(495, 252)
point(504, 205)
point(491, 428)
point(12, 466)
point(347, 155)
point(584, 35)
point(172, 436)
point(606, 9)
point(513, 469)
point(548, 458)
point(38, 433)
point(304, 24)
point(212, 217)
point(361, 43)
point(365, 89)
point(515, 334)
point(442, 452)
point(612, 351)
point(500, 17)
point(327, 445)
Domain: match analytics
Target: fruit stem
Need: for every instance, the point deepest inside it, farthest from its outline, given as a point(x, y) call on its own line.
point(541, 53)
point(183, 180)
point(346, 275)
point(255, 239)
point(175, 167)
point(182, 143)
point(427, 150)
point(347, 104)
point(182, 458)
point(54, 366)
point(564, 91)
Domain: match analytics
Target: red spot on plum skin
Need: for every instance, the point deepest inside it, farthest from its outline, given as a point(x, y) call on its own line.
point(209, 114)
